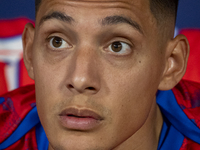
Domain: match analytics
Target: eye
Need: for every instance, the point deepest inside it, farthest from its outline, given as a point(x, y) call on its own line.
point(120, 48)
point(57, 42)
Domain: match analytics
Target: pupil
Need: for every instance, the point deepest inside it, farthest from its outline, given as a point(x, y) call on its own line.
point(57, 42)
point(116, 46)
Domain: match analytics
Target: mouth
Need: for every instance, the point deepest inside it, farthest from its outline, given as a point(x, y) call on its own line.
point(79, 119)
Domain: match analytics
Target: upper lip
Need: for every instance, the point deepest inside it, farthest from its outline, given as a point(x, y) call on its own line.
point(82, 113)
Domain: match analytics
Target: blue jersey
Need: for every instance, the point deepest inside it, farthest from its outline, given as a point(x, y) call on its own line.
point(20, 127)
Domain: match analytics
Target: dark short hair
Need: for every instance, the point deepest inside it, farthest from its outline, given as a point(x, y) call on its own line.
point(159, 8)
point(37, 5)
point(162, 9)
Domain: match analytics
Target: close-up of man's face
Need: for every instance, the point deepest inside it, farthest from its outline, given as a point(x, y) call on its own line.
point(97, 66)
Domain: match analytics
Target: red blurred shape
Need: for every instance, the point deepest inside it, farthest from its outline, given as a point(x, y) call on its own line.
point(13, 27)
point(193, 68)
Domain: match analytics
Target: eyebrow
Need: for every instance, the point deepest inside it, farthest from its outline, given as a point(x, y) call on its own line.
point(57, 15)
point(112, 20)
point(109, 20)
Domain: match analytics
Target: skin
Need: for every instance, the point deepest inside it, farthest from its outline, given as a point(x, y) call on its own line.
point(87, 74)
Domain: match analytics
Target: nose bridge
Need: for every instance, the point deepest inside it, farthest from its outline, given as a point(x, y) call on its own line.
point(85, 75)
point(84, 63)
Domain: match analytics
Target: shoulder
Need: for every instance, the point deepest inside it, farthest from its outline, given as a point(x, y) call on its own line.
point(14, 106)
point(181, 108)
point(187, 94)
point(186, 85)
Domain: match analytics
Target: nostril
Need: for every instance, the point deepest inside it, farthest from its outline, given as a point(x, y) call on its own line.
point(90, 88)
point(70, 86)
point(81, 89)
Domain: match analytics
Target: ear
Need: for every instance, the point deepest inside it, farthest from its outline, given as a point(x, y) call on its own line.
point(177, 53)
point(27, 39)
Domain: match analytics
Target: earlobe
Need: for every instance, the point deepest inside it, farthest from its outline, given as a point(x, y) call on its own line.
point(27, 39)
point(177, 54)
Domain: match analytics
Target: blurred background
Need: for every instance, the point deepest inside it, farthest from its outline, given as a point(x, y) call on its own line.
point(14, 14)
point(188, 12)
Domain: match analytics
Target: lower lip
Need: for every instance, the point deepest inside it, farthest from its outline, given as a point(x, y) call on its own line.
point(75, 123)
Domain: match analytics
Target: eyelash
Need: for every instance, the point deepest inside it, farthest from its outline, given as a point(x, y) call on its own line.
point(126, 48)
point(49, 41)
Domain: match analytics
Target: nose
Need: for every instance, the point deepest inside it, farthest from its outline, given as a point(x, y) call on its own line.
point(83, 75)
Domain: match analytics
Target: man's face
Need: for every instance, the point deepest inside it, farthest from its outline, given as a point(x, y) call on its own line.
point(97, 67)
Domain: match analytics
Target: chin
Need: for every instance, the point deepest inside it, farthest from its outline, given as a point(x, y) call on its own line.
point(76, 145)
point(77, 141)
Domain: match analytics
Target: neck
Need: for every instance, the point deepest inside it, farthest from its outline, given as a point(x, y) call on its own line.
point(147, 137)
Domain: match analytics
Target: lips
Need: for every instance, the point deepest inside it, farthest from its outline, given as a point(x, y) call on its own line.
point(79, 119)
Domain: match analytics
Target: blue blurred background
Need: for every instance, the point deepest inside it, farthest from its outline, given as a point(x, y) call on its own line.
point(188, 11)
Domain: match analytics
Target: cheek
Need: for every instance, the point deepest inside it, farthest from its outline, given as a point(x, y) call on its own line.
point(47, 82)
point(48, 77)
point(131, 98)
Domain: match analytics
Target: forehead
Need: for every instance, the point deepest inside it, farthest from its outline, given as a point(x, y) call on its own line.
point(137, 7)
point(89, 10)
point(99, 3)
